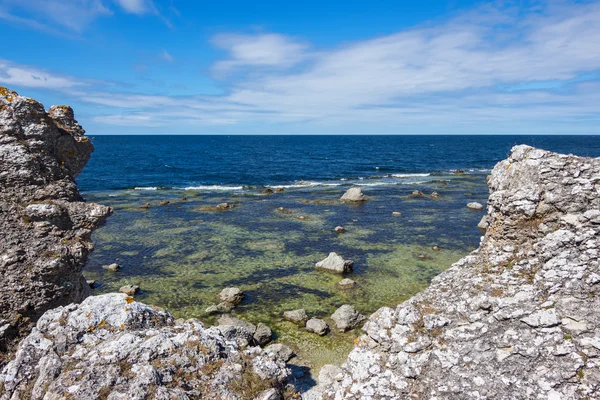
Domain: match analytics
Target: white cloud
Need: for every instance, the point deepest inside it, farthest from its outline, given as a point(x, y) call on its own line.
point(136, 6)
point(23, 76)
point(262, 50)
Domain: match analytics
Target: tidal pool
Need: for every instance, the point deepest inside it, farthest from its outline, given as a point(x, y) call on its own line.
point(183, 253)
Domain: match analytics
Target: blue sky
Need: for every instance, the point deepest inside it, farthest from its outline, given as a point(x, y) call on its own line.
point(309, 67)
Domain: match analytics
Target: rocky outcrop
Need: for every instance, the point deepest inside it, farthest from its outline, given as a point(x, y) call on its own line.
point(354, 194)
point(336, 263)
point(519, 318)
point(45, 225)
point(111, 347)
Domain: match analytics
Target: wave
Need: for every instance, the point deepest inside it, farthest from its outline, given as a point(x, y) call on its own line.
point(214, 187)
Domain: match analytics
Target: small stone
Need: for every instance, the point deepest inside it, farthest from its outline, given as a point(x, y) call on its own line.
point(231, 295)
point(145, 206)
point(223, 206)
point(458, 172)
point(417, 193)
point(346, 283)
point(296, 316)
point(339, 229)
point(435, 195)
point(336, 263)
point(396, 213)
point(114, 267)
point(91, 283)
point(130, 290)
point(435, 248)
point(353, 194)
point(219, 308)
point(317, 326)
point(267, 191)
point(301, 217)
point(475, 206)
point(183, 198)
point(164, 202)
point(280, 190)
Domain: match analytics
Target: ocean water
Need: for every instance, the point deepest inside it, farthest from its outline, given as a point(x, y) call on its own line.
point(183, 253)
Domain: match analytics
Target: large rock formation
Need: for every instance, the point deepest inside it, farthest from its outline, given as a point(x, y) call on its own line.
point(111, 347)
point(519, 318)
point(45, 226)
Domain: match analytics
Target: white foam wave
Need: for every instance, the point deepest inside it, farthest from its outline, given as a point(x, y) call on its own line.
point(213, 188)
point(409, 175)
point(146, 188)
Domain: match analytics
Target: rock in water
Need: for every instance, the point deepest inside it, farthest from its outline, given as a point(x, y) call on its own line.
point(296, 316)
point(475, 206)
point(263, 334)
point(339, 229)
point(130, 290)
point(347, 318)
point(44, 223)
point(317, 326)
point(114, 267)
point(231, 295)
point(483, 223)
point(519, 318)
point(346, 283)
point(121, 349)
point(353, 194)
point(336, 263)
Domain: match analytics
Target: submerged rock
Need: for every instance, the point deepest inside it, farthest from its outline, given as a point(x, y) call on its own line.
point(336, 263)
point(396, 213)
point(435, 195)
point(145, 206)
point(112, 347)
point(353, 194)
point(339, 229)
point(296, 316)
point(219, 308)
point(417, 193)
point(317, 326)
point(347, 318)
point(516, 319)
point(346, 283)
point(267, 191)
point(475, 206)
point(163, 202)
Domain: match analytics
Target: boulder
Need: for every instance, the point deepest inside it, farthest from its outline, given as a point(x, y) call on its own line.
point(296, 316)
point(114, 267)
point(263, 334)
point(336, 263)
point(279, 352)
point(353, 194)
point(130, 290)
point(475, 206)
point(347, 318)
point(317, 326)
point(232, 295)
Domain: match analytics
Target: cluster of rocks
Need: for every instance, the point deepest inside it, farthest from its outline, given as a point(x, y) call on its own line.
point(345, 318)
point(45, 225)
point(518, 318)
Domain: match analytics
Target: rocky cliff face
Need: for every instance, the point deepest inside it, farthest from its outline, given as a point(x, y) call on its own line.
point(519, 318)
point(45, 224)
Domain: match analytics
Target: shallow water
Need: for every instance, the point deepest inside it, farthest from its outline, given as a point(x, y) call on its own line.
point(182, 254)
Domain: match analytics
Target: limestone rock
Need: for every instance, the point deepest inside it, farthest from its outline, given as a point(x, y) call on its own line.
point(347, 318)
point(114, 267)
point(518, 318)
point(339, 229)
point(45, 225)
point(279, 352)
point(231, 295)
point(475, 206)
point(346, 283)
point(353, 194)
point(336, 263)
point(296, 316)
point(130, 290)
point(317, 326)
point(121, 349)
point(263, 334)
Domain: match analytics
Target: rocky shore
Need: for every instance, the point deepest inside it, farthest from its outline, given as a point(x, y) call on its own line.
point(518, 318)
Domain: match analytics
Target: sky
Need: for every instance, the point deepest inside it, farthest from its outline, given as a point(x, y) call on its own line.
point(309, 67)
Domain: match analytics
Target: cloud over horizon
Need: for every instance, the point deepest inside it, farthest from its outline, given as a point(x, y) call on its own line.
point(490, 66)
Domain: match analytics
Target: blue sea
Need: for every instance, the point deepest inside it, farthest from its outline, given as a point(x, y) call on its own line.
point(182, 250)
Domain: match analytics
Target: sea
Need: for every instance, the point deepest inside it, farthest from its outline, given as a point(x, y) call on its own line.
point(283, 195)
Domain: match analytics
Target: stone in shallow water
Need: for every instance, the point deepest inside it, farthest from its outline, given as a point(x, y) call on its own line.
point(353, 194)
point(231, 295)
point(114, 267)
point(263, 334)
point(296, 316)
point(317, 326)
point(339, 229)
point(396, 213)
point(335, 263)
point(130, 290)
point(219, 308)
point(475, 206)
point(347, 318)
point(347, 283)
